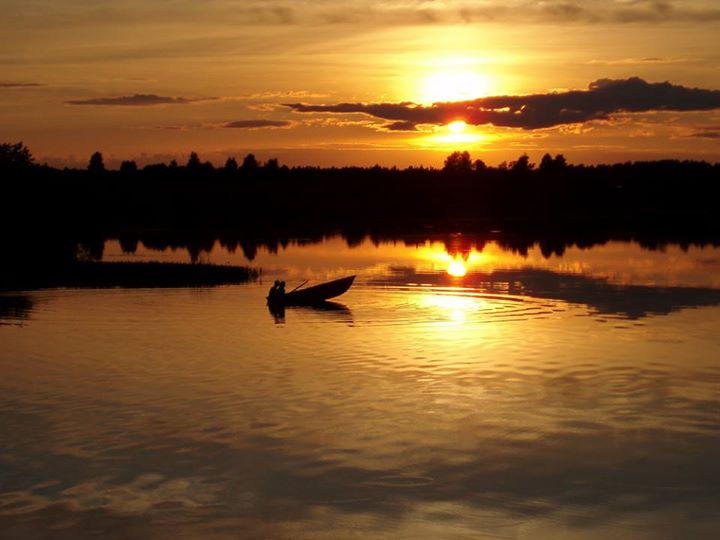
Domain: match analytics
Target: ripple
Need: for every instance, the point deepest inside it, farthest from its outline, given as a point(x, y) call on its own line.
point(405, 305)
point(400, 481)
point(136, 402)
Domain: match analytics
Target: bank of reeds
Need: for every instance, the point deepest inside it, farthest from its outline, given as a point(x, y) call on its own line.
point(126, 274)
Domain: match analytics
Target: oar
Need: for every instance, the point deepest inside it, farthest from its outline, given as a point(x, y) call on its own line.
point(296, 288)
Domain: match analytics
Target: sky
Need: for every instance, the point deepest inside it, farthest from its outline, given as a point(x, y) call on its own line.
point(394, 82)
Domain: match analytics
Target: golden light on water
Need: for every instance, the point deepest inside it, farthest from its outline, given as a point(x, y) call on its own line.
point(455, 263)
point(451, 308)
point(457, 268)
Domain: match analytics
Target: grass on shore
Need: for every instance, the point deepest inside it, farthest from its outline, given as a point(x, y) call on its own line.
point(127, 274)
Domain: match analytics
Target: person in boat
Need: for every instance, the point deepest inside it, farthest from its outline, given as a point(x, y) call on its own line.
point(274, 292)
point(281, 291)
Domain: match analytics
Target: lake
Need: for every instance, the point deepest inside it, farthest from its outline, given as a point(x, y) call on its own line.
point(460, 389)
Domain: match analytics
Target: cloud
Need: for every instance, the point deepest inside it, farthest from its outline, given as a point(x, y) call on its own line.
point(642, 61)
point(706, 134)
point(133, 13)
point(284, 94)
point(603, 99)
point(258, 124)
point(19, 85)
point(400, 126)
point(136, 100)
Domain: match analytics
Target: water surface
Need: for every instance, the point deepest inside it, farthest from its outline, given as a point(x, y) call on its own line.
point(453, 392)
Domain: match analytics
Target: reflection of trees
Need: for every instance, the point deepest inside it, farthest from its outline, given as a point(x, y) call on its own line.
point(198, 243)
point(601, 295)
point(90, 250)
point(462, 245)
point(15, 306)
point(128, 244)
point(555, 206)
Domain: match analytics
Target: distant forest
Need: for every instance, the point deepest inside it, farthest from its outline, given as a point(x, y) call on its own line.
point(253, 203)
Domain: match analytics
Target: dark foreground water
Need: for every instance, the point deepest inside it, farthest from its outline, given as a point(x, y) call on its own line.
point(449, 394)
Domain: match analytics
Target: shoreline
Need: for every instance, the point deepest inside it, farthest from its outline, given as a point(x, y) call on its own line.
point(121, 274)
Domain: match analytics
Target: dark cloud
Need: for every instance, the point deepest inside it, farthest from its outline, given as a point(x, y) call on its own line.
point(136, 100)
point(603, 99)
point(578, 11)
point(707, 134)
point(257, 124)
point(19, 85)
point(400, 126)
point(372, 12)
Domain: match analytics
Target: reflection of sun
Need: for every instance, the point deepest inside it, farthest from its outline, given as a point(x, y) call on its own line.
point(457, 264)
point(457, 268)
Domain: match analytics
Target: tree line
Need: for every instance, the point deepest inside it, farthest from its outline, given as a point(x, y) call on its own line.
point(252, 197)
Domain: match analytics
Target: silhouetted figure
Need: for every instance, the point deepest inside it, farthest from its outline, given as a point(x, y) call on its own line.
point(274, 293)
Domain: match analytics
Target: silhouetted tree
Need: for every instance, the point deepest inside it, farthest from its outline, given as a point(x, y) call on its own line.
point(548, 164)
point(231, 165)
point(522, 165)
point(631, 197)
point(193, 161)
point(272, 165)
point(15, 156)
point(96, 164)
point(249, 163)
point(128, 167)
point(458, 163)
point(479, 166)
point(173, 164)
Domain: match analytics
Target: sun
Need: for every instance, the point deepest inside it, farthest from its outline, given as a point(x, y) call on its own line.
point(456, 132)
point(458, 126)
point(453, 85)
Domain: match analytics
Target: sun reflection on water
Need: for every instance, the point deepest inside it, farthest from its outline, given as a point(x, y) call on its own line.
point(451, 307)
point(457, 268)
point(455, 262)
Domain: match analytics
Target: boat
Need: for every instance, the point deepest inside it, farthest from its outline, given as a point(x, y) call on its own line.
point(315, 294)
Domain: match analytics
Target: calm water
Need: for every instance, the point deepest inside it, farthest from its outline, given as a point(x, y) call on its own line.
point(453, 392)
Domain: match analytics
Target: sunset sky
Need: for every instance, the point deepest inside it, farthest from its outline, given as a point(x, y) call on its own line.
point(332, 83)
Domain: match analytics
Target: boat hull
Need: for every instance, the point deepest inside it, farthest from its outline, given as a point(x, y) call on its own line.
point(316, 294)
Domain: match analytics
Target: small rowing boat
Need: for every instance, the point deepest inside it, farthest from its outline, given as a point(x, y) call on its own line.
point(315, 294)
